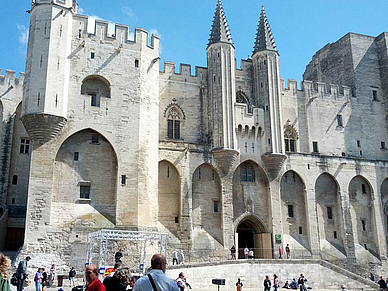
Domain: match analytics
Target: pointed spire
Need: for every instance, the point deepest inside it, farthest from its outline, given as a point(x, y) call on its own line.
point(220, 30)
point(264, 38)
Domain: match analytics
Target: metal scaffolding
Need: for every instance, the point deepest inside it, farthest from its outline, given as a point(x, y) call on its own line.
point(104, 235)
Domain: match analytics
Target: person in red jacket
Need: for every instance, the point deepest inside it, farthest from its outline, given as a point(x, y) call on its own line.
point(91, 275)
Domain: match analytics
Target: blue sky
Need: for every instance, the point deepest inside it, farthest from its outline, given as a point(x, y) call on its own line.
point(300, 28)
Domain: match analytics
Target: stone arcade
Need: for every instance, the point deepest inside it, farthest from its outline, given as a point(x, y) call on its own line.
point(94, 136)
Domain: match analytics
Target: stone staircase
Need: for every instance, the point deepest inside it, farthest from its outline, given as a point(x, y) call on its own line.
point(321, 275)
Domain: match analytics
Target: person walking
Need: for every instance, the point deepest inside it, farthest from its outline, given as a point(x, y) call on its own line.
point(44, 279)
point(288, 251)
point(246, 252)
point(4, 266)
point(275, 282)
point(280, 252)
point(72, 274)
point(233, 252)
point(38, 279)
point(93, 283)
point(239, 284)
point(181, 257)
point(21, 273)
point(156, 279)
point(175, 257)
point(382, 283)
point(118, 256)
point(51, 276)
point(267, 284)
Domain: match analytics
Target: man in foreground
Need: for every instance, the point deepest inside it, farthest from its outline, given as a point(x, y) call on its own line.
point(21, 273)
point(156, 280)
point(91, 275)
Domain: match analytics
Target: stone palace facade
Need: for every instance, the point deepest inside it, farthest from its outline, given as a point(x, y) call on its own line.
point(94, 136)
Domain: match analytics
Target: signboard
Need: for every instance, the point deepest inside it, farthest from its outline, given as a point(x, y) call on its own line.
point(218, 281)
point(108, 271)
point(278, 238)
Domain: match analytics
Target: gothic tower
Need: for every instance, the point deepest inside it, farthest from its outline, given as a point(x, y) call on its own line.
point(47, 68)
point(267, 84)
point(221, 82)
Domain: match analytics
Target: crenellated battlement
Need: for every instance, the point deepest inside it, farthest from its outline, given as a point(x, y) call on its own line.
point(70, 4)
point(120, 36)
point(9, 79)
point(316, 89)
point(184, 73)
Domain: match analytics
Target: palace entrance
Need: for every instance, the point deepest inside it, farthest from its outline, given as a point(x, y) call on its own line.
point(252, 234)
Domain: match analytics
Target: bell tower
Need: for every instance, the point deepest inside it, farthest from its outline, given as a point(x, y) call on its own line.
point(45, 92)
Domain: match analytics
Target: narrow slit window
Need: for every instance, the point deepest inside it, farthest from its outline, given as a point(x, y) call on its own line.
point(14, 179)
point(315, 146)
point(290, 211)
point(76, 156)
point(329, 212)
point(123, 179)
point(363, 225)
point(300, 230)
point(216, 205)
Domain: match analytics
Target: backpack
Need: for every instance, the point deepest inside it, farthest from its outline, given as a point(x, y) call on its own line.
point(14, 280)
point(72, 273)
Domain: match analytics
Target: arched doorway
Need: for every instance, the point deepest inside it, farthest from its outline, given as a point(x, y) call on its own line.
point(251, 233)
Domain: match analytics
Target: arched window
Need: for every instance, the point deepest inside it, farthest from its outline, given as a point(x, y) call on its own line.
point(174, 119)
point(290, 137)
point(96, 87)
point(247, 173)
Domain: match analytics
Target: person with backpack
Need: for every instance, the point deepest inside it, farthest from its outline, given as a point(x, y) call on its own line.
point(21, 273)
point(72, 274)
point(44, 279)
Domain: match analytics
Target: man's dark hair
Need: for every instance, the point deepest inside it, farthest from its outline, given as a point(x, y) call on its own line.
point(28, 258)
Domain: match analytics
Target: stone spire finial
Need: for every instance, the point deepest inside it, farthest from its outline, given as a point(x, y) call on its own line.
point(264, 38)
point(220, 30)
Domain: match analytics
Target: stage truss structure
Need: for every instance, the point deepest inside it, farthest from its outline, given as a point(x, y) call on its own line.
point(106, 235)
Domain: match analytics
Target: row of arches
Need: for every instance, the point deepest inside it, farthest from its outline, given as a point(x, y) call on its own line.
point(75, 165)
point(253, 196)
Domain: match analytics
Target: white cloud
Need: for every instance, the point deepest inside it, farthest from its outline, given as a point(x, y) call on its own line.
point(127, 11)
point(80, 10)
point(23, 35)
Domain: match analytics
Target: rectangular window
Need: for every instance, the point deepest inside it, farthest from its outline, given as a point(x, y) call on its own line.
point(363, 224)
point(292, 145)
point(170, 130)
point(315, 146)
point(76, 156)
point(123, 179)
point(95, 139)
point(93, 100)
point(339, 120)
point(24, 146)
point(250, 175)
point(329, 212)
point(358, 143)
point(177, 129)
point(335, 234)
point(383, 145)
point(216, 205)
point(84, 191)
point(290, 211)
point(374, 95)
point(176, 219)
point(300, 230)
point(92, 55)
point(287, 145)
point(363, 188)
